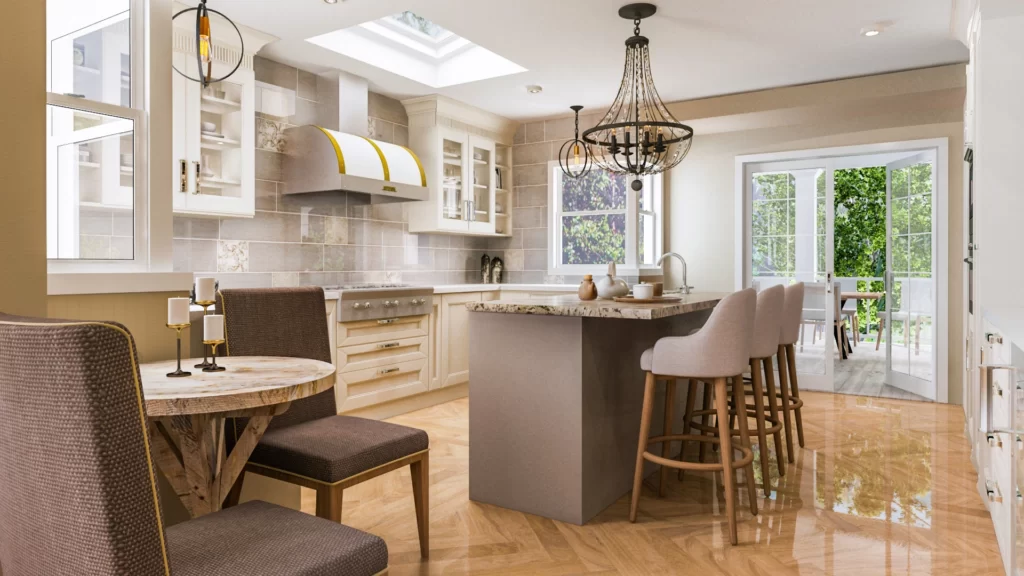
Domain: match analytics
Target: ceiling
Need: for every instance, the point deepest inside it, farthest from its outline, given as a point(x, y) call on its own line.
point(574, 48)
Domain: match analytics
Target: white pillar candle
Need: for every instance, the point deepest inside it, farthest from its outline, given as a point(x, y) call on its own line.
point(205, 291)
point(213, 327)
point(177, 311)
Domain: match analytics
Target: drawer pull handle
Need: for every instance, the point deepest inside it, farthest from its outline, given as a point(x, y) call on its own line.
point(992, 489)
point(388, 345)
point(994, 338)
point(384, 371)
point(387, 321)
point(995, 441)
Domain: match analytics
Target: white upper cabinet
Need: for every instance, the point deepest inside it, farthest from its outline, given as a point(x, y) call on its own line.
point(214, 130)
point(462, 166)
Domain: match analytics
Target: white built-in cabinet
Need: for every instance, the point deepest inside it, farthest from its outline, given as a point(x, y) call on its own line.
point(469, 174)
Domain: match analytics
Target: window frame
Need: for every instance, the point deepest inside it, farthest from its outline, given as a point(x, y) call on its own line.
point(632, 265)
point(137, 113)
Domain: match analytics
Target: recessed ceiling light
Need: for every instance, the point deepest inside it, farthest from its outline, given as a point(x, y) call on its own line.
point(869, 32)
point(331, 1)
point(534, 89)
point(876, 28)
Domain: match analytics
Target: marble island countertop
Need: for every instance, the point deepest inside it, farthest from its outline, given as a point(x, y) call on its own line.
point(573, 306)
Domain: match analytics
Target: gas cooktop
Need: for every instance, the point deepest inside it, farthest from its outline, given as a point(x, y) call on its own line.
point(381, 302)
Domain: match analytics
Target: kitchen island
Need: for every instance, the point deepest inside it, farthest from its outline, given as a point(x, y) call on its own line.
point(556, 395)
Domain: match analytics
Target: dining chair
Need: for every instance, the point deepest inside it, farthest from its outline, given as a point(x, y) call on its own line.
point(310, 444)
point(916, 305)
point(849, 308)
point(718, 351)
point(813, 313)
point(78, 486)
point(767, 327)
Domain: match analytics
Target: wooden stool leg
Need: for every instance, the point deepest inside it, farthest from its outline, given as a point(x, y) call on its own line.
point(878, 341)
point(795, 391)
point(706, 419)
point(762, 438)
point(645, 430)
point(421, 499)
point(740, 400)
point(726, 455)
point(773, 409)
point(666, 446)
point(328, 503)
point(784, 388)
point(691, 401)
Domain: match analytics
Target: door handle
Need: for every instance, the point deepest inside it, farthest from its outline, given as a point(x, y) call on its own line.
point(198, 168)
point(183, 177)
point(828, 283)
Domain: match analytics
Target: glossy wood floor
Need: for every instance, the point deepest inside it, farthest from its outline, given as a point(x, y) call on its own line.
point(882, 487)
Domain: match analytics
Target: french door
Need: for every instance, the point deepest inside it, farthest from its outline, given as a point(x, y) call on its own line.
point(910, 289)
point(789, 214)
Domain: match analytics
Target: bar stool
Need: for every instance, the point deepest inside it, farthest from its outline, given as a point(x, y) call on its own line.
point(718, 351)
point(788, 336)
point(767, 326)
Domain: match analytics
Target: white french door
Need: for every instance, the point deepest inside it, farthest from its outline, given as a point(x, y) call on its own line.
point(789, 213)
point(910, 288)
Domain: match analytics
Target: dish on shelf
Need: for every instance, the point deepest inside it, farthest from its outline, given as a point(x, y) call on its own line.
point(208, 127)
point(211, 134)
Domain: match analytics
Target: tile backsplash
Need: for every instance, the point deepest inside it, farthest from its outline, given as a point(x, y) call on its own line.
point(325, 239)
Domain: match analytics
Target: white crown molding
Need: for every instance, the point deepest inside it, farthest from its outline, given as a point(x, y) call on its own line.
point(425, 110)
point(225, 50)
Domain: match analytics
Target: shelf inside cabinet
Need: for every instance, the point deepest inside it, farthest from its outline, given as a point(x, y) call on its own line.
point(502, 166)
point(452, 162)
point(217, 182)
point(220, 105)
point(104, 207)
point(481, 186)
point(88, 164)
point(214, 143)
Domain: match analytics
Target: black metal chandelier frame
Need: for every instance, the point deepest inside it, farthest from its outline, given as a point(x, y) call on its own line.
point(573, 149)
point(203, 11)
point(652, 141)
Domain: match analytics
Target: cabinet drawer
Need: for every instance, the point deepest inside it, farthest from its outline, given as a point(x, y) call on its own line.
point(382, 384)
point(374, 331)
point(366, 356)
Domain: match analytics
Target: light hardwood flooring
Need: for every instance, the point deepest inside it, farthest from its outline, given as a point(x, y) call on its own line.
point(882, 487)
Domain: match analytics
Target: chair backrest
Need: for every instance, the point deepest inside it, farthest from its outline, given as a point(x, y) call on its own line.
point(814, 296)
point(789, 331)
point(916, 295)
point(78, 492)
point(288, 322)
point(724, 342)
point(848, 285)
point(768, 321)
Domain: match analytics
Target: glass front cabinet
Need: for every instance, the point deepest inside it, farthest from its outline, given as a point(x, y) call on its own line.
point(214, 135)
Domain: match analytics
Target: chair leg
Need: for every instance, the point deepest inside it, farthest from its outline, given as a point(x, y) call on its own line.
point(235, 494)
point(666, 446)
point(762, 438)
point(739, 399)
point(645, 429)
point(784, 389)
point(795, 391)
point(706, 419)
point(726, 456)
point(855, 322)
point(328, 503)
point(421, 498)
point(773, 408)
point(917, 336)
point(803, 328)
point(691, 401)
point(878, 341)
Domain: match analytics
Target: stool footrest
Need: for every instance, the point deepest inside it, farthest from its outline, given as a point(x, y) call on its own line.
point(747, 458)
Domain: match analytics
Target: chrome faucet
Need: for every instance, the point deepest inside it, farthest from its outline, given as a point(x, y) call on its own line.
point(685, 287)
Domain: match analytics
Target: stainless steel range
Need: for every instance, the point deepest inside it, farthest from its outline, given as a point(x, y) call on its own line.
point(381, 301)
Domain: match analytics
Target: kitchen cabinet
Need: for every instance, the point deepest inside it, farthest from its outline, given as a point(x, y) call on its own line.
point(380, 360)
point(455, 337)
point(469, 174)
point(436, 346)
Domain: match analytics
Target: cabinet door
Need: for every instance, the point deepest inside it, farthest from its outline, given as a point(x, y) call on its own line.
point(455, 338)
point(454, 184)
point(435, 346)
point(482, 179)
point(185, 139)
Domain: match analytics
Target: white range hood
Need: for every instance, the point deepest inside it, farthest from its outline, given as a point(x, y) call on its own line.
point(322, 160)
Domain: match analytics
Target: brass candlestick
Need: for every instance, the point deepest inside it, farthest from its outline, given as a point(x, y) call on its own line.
point(179, 373)
point(206, 312)
point(213, 366)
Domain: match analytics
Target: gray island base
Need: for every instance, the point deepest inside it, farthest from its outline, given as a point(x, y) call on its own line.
point(555, 395)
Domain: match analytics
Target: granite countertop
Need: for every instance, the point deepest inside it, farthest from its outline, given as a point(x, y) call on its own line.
point(573, 306)
point(466, 288)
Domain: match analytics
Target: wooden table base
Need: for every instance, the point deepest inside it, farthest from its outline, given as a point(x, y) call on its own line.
point(190, 451)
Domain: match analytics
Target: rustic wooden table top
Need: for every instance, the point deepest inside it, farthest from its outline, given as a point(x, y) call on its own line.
point(862, 295)
point(249, 382)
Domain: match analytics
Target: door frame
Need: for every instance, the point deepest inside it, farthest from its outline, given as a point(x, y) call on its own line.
point(940, 228)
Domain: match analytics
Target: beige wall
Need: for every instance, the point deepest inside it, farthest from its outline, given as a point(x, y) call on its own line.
point(909, 105)
point(23, 159)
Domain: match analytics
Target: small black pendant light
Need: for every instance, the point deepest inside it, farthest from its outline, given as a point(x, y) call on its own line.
point(574, 157)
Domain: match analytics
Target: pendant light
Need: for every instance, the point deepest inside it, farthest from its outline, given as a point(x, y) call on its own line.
point(638, 135)
point(204, 45)
point(574, 157)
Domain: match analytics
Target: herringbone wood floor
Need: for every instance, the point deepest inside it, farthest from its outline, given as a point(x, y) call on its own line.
point(882, 487)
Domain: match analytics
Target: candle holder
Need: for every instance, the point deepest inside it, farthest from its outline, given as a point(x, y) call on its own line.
point(179, 373)
point(213, 365)
point(206, 312)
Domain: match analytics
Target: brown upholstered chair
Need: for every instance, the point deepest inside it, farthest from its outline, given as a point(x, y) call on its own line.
point(78, 492)
point(310, 444)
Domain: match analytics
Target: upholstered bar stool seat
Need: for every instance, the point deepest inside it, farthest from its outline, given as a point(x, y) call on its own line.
point(260, 538)
point(718, 351)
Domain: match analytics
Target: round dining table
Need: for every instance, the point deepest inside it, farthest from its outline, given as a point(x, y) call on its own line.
point(187, 417)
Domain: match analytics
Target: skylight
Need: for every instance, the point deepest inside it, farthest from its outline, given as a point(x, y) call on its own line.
point(417, 48)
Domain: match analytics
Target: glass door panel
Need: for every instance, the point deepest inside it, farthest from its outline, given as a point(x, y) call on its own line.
point(790, 240)
point(453, 158)
point(910, 289)
point(483, 182)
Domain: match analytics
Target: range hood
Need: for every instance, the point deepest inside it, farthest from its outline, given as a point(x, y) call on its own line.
point(322, 160)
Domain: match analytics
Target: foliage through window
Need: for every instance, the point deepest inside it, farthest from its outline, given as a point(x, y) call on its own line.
point(774, 224)
point(599, 219)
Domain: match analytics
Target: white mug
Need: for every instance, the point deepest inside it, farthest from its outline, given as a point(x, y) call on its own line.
point(643, 291)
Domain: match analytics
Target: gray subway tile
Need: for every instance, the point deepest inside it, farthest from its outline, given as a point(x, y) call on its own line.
point(268, 165)
point(386, 108)
point(307, 85)
point(196, 227)
point(266, 195)
point(275, 73)
point(535, 260)
point(275, 257)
